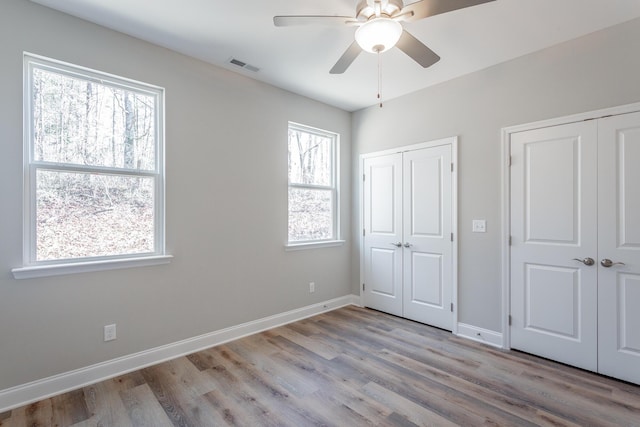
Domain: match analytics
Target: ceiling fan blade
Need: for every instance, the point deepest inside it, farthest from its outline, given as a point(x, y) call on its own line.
point(346, 59)
point(290, 20)
point(425, 8)
point(417, 50)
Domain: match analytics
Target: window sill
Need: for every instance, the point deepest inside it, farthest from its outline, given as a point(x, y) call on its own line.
point(313, 245)
point(31, 272)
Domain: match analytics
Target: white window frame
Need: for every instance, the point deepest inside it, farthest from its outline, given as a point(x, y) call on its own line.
point(31, 266)
point(334, 240)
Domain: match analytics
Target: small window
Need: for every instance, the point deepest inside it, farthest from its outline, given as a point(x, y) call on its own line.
point(313, 189)
point(94, 183)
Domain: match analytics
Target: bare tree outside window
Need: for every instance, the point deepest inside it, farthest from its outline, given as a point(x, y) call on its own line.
point(312, 184)
point(93, 164)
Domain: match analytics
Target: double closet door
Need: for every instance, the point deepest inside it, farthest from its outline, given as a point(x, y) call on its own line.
point(575, 252)
point(407, 242)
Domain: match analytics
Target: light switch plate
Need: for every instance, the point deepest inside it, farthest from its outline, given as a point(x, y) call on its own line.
point(479, 226)
point(109, 332)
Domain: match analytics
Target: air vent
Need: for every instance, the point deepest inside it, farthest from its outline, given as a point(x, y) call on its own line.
point(244, 65)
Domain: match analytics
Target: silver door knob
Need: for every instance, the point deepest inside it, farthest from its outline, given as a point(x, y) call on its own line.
point(608, 263)
point(407, 245)
point(586, 261)
point(397, 245)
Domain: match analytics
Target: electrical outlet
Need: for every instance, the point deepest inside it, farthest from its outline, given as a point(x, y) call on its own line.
point(110, 332)
point(312, 287)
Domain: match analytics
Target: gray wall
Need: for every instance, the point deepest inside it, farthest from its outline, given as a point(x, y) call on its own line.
point(596, 71)
point(226, 152)
point(226, 187)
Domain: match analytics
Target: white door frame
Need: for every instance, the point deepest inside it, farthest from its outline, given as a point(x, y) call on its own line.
point(506, 191)
point(453, 141)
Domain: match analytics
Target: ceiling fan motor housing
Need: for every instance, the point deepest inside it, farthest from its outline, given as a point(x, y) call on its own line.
point(366, 8)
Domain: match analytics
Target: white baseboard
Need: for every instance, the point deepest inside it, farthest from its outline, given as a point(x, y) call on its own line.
point(41, 389)
point(479, 334)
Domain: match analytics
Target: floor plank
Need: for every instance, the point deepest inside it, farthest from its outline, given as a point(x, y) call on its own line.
point(348, 367)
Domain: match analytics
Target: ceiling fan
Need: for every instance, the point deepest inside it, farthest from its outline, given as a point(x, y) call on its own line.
point(380, 29)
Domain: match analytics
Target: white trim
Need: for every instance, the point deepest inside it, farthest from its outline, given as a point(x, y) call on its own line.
point(32, 267)
point(506, 192)
point(454, 230)
point(41, 389)
point(360, 226)
point(334, 187)
point(589, 115)
point(34, 271)
point(412, 147)
point(482, 335)
point(505, 203)
point(453, 142)
point(313, 245)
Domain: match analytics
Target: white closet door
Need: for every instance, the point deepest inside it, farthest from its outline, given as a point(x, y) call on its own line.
point(619, 242)
point(427, 214)
point(383, 233)
point(554, 222)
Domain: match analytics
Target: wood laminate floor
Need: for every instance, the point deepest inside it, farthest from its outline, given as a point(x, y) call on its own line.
point(348, 367)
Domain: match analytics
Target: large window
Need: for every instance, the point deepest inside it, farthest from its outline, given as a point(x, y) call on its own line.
point(94, 181)
point(313, 184)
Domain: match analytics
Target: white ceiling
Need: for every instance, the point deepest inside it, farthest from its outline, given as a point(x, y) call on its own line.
point(299, 58)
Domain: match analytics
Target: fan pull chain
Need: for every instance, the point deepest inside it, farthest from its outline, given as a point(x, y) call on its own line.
point(379, 81)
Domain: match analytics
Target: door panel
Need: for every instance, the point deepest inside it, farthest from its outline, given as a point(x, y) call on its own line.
point(551, 300)
point(553, 215)
point(382, 279)
point(383, 229)
point(628, 295)
point(427, 268)
point(628, 153)
point(425, 194)
point(427, 212)
point(619, 241)
point(552, 179)
point(382, 213)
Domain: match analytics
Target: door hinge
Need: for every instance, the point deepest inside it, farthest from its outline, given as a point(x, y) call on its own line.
point(451, 167)
point(509, 240)
point(363, 231)
point(509, 161)
point(364, 177)
point(363, 286)
point(452, 307)
point(452, 237)
point(509, 320)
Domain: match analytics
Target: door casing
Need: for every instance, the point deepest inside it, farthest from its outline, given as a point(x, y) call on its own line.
point(506, 195)
point(453, 142)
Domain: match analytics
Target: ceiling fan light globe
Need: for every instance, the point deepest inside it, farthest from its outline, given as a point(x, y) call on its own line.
point(378, 35)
